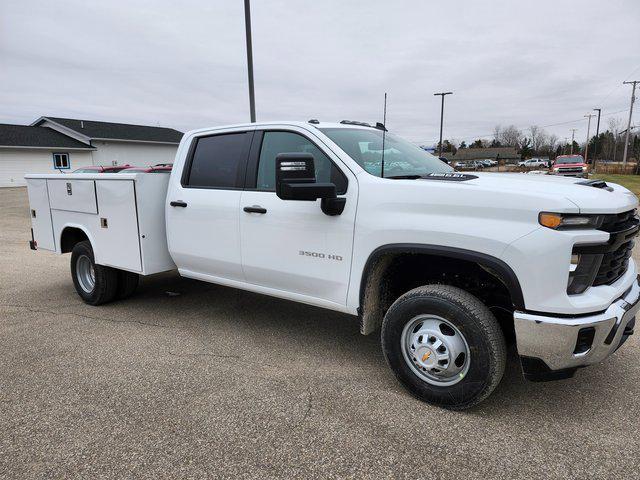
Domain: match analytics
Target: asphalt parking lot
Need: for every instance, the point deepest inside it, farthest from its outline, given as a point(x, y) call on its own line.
point(194, 380)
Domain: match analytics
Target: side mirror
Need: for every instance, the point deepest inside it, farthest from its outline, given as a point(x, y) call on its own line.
point(296, 180)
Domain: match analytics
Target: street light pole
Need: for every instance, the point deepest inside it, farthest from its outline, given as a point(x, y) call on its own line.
point(441, 119)
point(626, 139)
point(586, 147)
point(595, 147)
point(247, 26)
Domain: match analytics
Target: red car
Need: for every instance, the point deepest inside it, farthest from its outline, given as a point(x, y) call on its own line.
point(164, 168)
point(569, 166)
point(102, 169)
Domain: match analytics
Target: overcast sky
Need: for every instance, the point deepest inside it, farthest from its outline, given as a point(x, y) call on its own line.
point(183, 64)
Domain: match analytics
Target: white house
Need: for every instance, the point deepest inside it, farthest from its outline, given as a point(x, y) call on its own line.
point(52, 143)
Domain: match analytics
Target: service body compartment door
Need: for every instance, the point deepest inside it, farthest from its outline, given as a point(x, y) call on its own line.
point(73, 195)
point(117, 239)
point(40, 214)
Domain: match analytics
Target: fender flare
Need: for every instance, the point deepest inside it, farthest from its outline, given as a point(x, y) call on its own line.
point(497, 267)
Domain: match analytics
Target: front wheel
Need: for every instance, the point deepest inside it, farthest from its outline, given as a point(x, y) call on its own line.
point(444, 345)
point(96, 284)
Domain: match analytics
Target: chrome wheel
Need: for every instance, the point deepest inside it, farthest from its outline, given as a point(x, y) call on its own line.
point(85, 273)
point(435, 350)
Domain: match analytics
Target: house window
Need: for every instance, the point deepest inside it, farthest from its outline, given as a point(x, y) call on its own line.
point(61, 161)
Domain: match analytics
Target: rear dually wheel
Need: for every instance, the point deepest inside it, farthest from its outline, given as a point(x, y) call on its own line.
point(96, 284)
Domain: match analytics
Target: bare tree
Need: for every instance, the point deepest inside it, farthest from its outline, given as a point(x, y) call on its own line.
point(538, 138)
point(550, 144)
point(611, 142)
point(615, 124)
point(510, 136)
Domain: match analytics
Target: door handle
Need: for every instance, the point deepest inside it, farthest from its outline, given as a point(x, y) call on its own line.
point(255, 209)
point(178, 203)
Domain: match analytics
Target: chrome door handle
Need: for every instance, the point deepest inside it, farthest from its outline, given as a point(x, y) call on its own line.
point(255, 209)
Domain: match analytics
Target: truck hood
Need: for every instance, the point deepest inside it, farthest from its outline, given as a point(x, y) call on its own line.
point(589, 196)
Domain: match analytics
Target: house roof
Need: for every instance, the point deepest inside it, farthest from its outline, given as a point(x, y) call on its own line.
point(481, 153)
point(37, 137)
point(116, 131)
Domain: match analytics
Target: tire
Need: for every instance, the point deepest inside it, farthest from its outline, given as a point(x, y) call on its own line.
point(127, 284)
point(94, 289)
point(448, 309)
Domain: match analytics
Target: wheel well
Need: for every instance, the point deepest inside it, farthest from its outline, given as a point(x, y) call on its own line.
point(70, 236)
point(392, 272)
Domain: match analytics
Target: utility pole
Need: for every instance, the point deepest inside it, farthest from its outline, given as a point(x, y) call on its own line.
point(586, 147)
point(441, 119)
point(247, 26)
point(626, 138)
point(595, 154)
point(573, 134)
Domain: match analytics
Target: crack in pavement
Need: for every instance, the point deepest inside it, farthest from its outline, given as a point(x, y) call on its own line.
point(203, 354)
point(309, 405)
point(88, 317)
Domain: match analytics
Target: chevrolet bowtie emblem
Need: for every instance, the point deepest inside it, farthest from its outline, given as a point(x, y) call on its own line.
point(426, 355)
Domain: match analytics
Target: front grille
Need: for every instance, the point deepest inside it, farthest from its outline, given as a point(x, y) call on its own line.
point(614, 265)
point(570, 170)
point(623, 227)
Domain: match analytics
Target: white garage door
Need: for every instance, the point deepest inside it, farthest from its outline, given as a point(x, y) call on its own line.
point(16, 163)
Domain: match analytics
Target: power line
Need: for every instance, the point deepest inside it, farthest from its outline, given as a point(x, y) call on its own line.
point(618, 86)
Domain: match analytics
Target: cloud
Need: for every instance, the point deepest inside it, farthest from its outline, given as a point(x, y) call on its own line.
point(183, 64)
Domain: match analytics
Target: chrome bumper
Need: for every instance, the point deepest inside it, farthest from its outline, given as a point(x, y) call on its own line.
point(571, 174)
point(553, 339)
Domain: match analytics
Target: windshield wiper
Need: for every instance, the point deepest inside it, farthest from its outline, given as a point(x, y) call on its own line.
point(404, 177)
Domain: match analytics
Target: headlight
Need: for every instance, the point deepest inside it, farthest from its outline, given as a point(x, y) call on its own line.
point(584, 168)
point(566, 221)
point(556, 169)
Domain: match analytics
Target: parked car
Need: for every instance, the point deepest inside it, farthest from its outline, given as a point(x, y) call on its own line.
point(165, 168)
point(470, 165)
point(569, 166)
point(533, 163)
point(446, 265)
point(102, 169)
point(489, 163)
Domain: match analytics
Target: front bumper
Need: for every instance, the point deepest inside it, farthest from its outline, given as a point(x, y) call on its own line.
point(548, 344)
point(571, 174)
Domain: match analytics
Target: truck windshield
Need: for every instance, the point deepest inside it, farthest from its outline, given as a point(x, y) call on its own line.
point(569, 159)
point(401, 158)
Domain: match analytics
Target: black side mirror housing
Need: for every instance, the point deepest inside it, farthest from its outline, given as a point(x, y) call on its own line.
point(296, 180)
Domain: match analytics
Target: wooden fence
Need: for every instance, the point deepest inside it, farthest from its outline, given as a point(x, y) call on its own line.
point(615, 168)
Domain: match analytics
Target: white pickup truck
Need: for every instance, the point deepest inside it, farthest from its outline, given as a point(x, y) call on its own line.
point(450, 267)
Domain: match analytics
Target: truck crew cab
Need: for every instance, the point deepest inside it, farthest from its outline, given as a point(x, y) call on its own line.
point(448, 266)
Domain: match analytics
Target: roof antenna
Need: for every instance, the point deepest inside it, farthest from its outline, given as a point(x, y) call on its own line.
point(384, 131)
